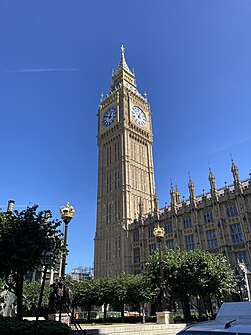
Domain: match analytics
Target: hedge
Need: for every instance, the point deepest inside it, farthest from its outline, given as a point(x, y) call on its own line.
point(15, 326)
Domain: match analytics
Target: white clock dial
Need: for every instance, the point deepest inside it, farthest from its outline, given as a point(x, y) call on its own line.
point(138, 115)
point(109, 116)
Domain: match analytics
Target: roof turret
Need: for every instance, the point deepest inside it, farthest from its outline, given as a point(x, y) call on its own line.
point(235, 172)
point(191, 191)
point(173, 197)
point(178, 199)
point(211, 179)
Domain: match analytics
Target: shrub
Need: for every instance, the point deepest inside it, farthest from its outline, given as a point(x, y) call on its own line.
point(15, 326)
point(51, 328)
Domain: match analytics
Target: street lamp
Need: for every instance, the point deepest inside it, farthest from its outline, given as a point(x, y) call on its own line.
point(67, 212)
point(163, 297)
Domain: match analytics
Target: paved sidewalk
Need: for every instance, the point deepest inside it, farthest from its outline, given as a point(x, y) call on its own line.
point(132, 329)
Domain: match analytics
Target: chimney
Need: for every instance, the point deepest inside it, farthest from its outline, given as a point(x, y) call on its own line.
point(11, 204)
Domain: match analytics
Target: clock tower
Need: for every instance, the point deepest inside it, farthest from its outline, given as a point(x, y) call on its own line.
point(126, 187)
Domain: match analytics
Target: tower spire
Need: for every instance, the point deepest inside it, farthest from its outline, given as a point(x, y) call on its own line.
point(123, 74)
point(191, 191)
point(211, 178)
point(122, 64)
point(178, 199)
point(173, 195)
point(235, 172)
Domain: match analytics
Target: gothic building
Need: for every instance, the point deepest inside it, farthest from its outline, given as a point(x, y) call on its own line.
point(218, 221)
point(125, 170)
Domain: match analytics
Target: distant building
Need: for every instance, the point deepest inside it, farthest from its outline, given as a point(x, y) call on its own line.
point(51, 274)
point(82, 273)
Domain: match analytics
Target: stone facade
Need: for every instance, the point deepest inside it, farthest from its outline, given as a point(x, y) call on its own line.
point(125, 170)
point(218, 221)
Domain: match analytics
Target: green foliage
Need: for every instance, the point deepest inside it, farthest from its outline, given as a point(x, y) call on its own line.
point(103, 290)
point(194, 273)
point(83, 294)
point(15, 326)
point(124, 289)
point(52, 328)
point(31, 296)
point(24, 236)
point(137, 289)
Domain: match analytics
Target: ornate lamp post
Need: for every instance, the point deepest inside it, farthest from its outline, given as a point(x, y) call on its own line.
point(159, 233)
point(164, 313)
point(67, 212)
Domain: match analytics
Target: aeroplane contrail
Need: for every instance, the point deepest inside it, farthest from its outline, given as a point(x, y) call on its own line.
point(42, 70)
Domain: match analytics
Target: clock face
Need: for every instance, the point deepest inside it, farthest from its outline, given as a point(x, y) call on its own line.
point(139, 115)
point(109, 116)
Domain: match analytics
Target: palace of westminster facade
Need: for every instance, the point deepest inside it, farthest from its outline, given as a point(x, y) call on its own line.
point(218, 221)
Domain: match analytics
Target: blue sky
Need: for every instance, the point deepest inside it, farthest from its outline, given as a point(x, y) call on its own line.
point(192, 57)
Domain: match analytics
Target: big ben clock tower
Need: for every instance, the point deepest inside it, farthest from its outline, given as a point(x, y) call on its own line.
point(125, 170)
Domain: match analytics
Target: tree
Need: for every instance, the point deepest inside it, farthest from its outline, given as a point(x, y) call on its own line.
point(191, 274)
point(215, 277)
point(132, 290)
point(24, 237)
point(94, 292)
point(31, 294)
point(104, 292)
point(118, 291)
point(84, 295)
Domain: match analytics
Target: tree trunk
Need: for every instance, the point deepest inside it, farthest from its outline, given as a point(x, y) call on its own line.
point(122, 313)
point(210, 305)
point(204, 305)
point(89, 314)
point(199, 306)
point(207, 305)
point(19, 278)
point(186, 309)
point(218, 302)
point(105, 306)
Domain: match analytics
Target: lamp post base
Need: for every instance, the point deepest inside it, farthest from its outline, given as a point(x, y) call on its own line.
point(164, 317)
